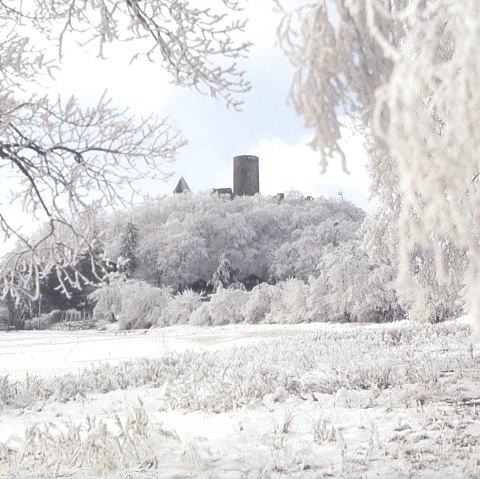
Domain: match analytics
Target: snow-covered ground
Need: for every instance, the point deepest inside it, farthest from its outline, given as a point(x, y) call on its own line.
point(47, 353)
point(242, 401)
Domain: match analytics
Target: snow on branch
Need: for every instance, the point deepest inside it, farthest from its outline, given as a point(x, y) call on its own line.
point(197, 44)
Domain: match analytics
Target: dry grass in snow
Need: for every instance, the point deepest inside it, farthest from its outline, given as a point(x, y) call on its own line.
point(397, 400)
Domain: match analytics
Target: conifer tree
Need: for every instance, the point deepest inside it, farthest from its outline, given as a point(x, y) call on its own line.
point(128, 249)
point(225, 275)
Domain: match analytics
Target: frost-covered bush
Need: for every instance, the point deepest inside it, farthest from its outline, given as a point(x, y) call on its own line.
point(142, 304)
point(201, 316)
point(423, 295)
point(108, 300)
point(179, 308)
point(260, 302)
point(289, 304)
point(431, 303)
point(39, 323)
point(226, 306)
point(382, 302)
point(351, 288)
point(428, 297)
point(135, 304)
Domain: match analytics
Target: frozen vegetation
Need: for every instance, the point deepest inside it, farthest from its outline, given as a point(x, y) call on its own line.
point(309, 260)
point(265, 381)
point(318, 400)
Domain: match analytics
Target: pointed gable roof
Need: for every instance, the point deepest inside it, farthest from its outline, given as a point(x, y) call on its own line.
point(182, 186)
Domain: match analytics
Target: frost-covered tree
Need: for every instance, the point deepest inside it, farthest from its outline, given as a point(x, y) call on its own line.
point(406, 72)
point(351, 288)
point(182, 238)
point(173, 255)
point(300, 257)
point(70, 288)
point(67, 160)
point(128, 249)
point(225, 275)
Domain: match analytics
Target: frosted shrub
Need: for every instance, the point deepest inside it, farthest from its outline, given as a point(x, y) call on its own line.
point(344, 272)
point(425, 297)
point(134, 303)
point(227, 305)
point(108, 302)
point(294, 301)
point(45, 321)
point(318, 304)
point(179, 308)
point(142, 304)
point(201, 316)
point(39, 323)
point(382, 303)
point(431, 303)
point(260, 302)
point(290, 303)
point(351, 288)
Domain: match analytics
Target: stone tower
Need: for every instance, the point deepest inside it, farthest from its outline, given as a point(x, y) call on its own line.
point(246, 178)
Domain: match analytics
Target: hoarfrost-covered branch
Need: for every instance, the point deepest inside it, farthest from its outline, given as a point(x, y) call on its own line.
point(194, 42)
point(338, 67)
point(70, 162)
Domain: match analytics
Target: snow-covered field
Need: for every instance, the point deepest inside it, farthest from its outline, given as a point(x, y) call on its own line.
point(242, 401)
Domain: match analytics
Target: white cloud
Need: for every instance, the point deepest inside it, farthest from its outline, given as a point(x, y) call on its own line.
point(286, 167)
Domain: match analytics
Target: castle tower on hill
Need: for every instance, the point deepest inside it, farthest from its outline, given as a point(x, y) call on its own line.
point(246, 178)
